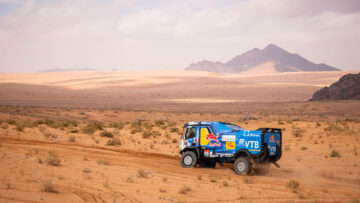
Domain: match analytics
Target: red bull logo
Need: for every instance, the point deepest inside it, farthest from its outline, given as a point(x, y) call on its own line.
point(213, 141)
point(211, 137)
point(272, 138)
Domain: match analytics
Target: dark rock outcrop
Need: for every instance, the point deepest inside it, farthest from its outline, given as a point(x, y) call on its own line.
point(346, 88)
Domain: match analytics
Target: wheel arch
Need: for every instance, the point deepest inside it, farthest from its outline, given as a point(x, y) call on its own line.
point(193, 149)
point(242, 153)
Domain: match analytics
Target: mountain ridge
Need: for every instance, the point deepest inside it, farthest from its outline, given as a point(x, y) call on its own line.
point(281, 60)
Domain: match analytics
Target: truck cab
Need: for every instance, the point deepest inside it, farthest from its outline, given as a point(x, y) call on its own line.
point(207, 143)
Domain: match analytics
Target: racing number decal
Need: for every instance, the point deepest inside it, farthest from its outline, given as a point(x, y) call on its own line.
point(230, 145)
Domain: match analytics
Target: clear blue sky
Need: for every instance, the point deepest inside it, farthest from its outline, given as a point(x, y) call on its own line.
point(160, 34)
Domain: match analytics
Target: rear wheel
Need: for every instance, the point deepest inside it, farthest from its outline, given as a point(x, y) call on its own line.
point(188, 159)
point(242, 166)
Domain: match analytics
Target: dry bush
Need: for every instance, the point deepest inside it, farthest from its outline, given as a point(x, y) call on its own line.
point(162, 190)
point(280, 122)
point(146, 134)
point(293, 185)
point(159, 123)
point(4, 126)
point(48, 134)
point(164, 179)
point(92, 127)
point(47, 186)
point(71, 139)
point(129, 179)
point(141, 173)
point(212, 179)
point(86, 170)
point(185, 190)
point(19, 127)
point(303, 148)
point(53, 160)
point(174, 130)
point(114, 141)
point(102, 162)
point(335, 153)
point(199, 177)
point(74, 131)
point(106, 134)
point(225, 183)
point(174, 141)
point(248, 180)
point(118, 126)
point(298, 132)
point(333, 127)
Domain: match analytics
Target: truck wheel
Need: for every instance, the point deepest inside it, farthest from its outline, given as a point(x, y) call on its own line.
point(242, 166)
point(188, 159)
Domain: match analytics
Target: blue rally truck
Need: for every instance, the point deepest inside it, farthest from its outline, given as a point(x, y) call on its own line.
point(208, 143)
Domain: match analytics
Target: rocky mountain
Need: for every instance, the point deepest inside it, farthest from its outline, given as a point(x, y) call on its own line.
point(346, 88)
point(275, 58)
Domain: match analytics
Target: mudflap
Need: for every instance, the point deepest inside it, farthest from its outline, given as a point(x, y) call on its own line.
point(276, 164)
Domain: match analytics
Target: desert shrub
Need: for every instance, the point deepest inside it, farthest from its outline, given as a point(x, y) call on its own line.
point(114, 141)
point(164, 179)
point(92, 127)
point(280, 122)
point(48, 187)
point(164, 142)
point(106, 134)
point(129, 179)
point(4, 126)
point(162, 190)
point(293, 185)
point(335, 153)
point(11, 122)
point(212, 179)
point(141, 173)
point(304, 148)
point(86, 170)
point(19, 127)
point(174, 140)
point(174, 130)
point(147, 126)
point(53, 160)
point(156, 133)
point(185, 190)
point(74, 131)
point(225, 183)
point(333, 127)
point(248, 180)
point(118, 126)
point(102, 162)
point(199, 177)
point(298, 132)
point(146, 134)
point(71, 139)
point(170, 124)
point(48, 134)
point(159, 123)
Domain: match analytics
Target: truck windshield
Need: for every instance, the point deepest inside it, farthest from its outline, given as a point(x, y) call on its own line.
point(234, 127)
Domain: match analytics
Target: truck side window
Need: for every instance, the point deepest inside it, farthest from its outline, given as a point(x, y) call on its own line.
point(190, 133)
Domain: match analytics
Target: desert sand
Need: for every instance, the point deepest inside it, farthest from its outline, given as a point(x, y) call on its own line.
point(114, 136)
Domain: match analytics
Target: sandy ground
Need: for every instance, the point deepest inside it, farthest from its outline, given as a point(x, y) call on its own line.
point(55, 150)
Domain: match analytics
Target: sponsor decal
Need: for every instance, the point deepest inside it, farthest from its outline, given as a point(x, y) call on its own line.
point(228, 138)
point(272, 138)
point(206, 153)
point(230, 145)
point(248, 133)
point(272, 149)
point(248, 144)
point(213, 141)
point(254, 150)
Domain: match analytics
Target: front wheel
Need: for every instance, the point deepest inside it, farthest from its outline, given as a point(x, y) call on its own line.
point(242, 166)
point(188, 159)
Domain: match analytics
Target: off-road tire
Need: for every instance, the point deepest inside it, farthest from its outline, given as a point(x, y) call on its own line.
point(242, 166)
point(188, 159)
